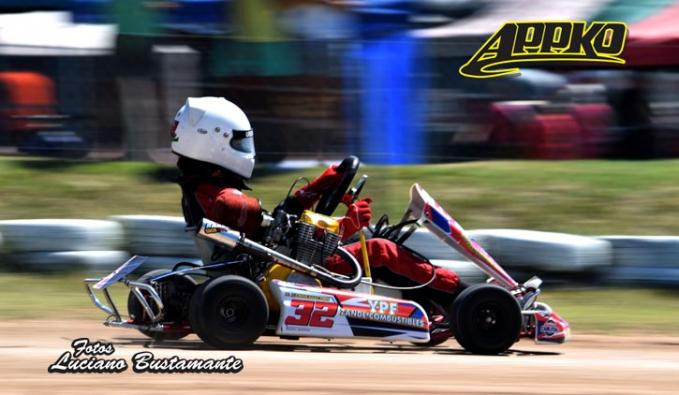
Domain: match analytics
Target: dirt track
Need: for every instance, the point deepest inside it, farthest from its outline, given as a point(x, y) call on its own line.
point(588, 365)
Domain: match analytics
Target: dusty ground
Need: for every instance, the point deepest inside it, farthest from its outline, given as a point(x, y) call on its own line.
point(587, 365)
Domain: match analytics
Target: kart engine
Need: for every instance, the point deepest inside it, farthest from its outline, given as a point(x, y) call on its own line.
point(317, 238)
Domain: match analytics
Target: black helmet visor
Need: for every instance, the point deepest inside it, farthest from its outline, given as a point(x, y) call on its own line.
point(243, 141)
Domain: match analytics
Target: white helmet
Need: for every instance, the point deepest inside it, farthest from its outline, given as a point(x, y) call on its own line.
point(214, 130)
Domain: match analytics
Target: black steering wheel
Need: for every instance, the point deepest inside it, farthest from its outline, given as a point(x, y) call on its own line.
point(331, 197)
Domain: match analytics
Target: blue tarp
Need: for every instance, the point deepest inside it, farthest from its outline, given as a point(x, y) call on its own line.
point(390, 110)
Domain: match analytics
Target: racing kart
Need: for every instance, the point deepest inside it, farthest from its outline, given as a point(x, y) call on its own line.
point(279, 286)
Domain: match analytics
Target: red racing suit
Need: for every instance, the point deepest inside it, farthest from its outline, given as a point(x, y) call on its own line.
point(233, 208)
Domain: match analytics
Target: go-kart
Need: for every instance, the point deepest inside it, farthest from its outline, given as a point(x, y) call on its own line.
point(279, 286)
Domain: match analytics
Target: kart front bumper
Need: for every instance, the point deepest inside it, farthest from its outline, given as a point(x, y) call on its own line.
point(114, 318)
point(150, 301)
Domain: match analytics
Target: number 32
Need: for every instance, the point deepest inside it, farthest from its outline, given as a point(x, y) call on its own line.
point(316, 314)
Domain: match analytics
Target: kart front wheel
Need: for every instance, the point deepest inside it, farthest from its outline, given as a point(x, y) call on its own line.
point(486, 319)
point(228, 312)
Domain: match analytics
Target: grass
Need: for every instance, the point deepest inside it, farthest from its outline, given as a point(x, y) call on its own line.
point(618, 311)
point(584, 197)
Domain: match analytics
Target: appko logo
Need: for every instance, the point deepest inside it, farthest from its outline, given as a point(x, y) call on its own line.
point(519, 42)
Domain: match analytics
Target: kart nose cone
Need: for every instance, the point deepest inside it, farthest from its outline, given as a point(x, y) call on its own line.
point(551, 328)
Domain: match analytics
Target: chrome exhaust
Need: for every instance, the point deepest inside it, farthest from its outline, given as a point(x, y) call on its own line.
point(234, 240)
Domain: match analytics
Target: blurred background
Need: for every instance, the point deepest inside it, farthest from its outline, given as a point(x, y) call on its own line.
point(324, 78)
point(570, 160)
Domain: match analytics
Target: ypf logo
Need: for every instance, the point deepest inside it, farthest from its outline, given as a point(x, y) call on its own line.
point(518, 43)
point(382, 307)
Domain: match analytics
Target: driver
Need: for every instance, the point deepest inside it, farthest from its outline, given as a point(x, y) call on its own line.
point(214, 141)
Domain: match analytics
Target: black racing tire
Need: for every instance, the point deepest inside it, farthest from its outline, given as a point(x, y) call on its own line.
point(486, 319)
point(228, 312)
point(176, 307)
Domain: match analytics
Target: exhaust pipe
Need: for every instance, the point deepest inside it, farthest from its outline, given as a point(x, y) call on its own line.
point(234, 240)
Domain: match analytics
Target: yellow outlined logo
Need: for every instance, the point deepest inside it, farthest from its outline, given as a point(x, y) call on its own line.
point(519, 42)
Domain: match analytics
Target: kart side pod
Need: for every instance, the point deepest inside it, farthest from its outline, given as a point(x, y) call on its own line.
point(334, 313)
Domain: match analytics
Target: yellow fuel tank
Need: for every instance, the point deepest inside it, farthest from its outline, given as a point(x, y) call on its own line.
point(280, 272)
point(275, 272)
point(329, 224)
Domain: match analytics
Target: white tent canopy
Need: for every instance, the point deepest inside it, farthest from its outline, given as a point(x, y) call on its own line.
point(496, 13)
point(53, 34)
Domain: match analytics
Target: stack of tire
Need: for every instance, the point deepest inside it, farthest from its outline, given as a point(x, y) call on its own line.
point(162, 239)
point(526, 252)
point(649, 260)
point(49, 245)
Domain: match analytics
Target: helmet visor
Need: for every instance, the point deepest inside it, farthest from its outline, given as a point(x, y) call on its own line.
point(243, 141)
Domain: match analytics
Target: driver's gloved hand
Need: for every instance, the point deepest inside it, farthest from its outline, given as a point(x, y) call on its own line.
point(311, 192)
point(348, 199)
point(358, 215)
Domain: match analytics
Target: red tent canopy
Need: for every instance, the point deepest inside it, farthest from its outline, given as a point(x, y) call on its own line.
point(654, 41)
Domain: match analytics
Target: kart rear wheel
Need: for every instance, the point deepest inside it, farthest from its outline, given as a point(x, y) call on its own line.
point(228, 312)
point(486, 319)
point(175, 292)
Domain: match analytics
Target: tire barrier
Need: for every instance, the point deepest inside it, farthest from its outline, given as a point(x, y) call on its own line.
point(156, 235)
point(60, 261)
point(644, 260)
point(50, 245)
point(432, 247)
point(3, 253)
point(642, 251)
point(47, 235)
point(544, 251)
point(635, 275)
point(466, 270)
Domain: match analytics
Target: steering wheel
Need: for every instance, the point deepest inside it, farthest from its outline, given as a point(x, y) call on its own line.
point(332, 196)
